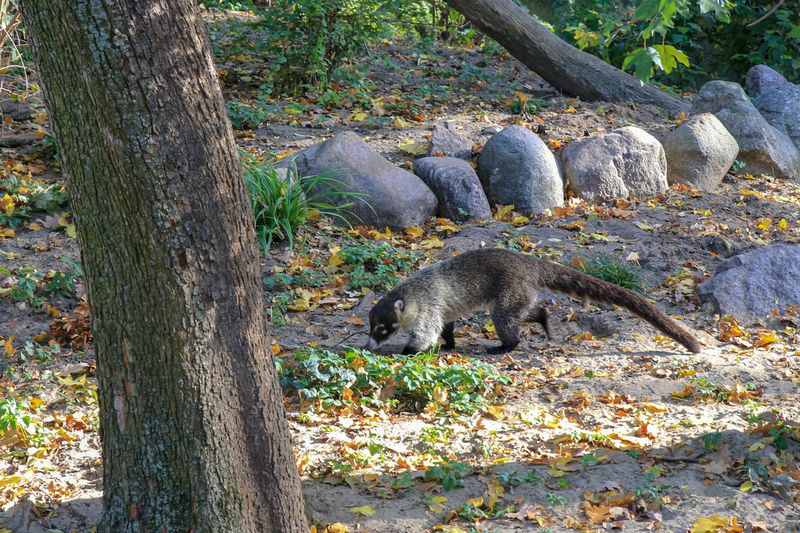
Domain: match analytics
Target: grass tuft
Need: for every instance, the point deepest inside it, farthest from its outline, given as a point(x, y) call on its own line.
point(284, 203)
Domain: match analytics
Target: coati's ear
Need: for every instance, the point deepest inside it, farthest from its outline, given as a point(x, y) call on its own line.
point(399, 305)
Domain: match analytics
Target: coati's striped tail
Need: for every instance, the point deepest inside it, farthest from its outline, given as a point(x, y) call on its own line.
point(569, 281)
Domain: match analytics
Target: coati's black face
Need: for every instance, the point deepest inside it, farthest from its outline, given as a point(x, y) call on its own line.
point(384, 321)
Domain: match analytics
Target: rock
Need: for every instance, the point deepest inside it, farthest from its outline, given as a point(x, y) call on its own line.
point(622, 163)
point(393, 197)
point(446, 141)
point(456, 186)
point(781, 107)
point(517, 168)
point(761, 79)
point(16, 110)
point(752, 284)
point(762, 148)
point(699, 152)
point(17, 140)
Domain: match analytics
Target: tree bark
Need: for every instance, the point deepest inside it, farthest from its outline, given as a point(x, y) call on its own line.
point(563, 66)
point(191, 414)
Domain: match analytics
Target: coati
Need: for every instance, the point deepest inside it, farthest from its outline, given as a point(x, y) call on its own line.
point(427, 303)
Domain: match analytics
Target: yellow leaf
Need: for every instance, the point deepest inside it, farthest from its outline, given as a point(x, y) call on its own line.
point(36, 403)
point(10, 480)
point(377, 235)
point(436, 503)
point(7, 232)
point(476, 502)
point(427, 244)
point(415, 231)
point(764, 224)
point(9, 349)
point(364, 510)
point(502, 212)
point(33, 226)
point(764, 338)
point(519, 219)
point(746, 486)
point(399, 122)
point(653, 408)
point(411, 147)
point(358, 116)
point(68, 381)
point(713, 524)
point(496, 410)
point(338, 527)
point(495, 490)
point(439, 395)
point(335, 259)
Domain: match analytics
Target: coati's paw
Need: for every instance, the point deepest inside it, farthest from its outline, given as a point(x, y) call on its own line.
point(498, 350)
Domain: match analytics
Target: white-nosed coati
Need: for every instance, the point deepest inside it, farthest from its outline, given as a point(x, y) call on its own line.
point(427, 303)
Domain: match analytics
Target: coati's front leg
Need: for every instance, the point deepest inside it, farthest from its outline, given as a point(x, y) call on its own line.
point(424, 334)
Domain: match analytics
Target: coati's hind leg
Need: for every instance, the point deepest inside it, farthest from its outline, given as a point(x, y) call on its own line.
point(539, 314)
point(449, 336)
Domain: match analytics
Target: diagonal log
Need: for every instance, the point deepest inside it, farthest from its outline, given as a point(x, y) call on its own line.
point(563, 66)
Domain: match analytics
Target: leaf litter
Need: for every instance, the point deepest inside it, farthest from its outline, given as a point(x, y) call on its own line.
point(610, 427)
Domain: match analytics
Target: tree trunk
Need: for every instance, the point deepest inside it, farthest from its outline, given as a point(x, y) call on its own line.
point(563, 66)
point(191, 414)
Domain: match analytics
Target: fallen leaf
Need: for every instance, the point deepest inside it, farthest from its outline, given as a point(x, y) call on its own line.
point(364, 510)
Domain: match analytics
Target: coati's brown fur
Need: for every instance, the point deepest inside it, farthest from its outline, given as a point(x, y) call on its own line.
point(427, 303)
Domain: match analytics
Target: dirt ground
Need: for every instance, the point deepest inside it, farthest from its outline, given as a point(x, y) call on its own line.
point(609, 426)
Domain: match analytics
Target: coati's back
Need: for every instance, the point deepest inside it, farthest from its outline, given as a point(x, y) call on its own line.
point(472, 280)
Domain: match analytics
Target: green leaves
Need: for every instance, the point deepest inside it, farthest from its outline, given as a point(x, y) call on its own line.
point(721, 8)
point(332, 380)
point(643, 61)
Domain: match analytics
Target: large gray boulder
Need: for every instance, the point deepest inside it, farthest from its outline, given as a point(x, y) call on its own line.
point(781, 107)
point(448, 142)
point(622, 163)
point(456, 186)
point(392, 196)
point(699, 152)
point(516, 167)
point(763, 148)
point(751, 284)
point(761, 79)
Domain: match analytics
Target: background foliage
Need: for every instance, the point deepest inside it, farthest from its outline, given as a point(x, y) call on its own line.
point(711, 39)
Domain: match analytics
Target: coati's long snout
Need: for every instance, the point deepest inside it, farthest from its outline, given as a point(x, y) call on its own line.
point(427, 304)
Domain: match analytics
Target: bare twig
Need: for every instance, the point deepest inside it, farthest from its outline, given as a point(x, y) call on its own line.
point(767, 14)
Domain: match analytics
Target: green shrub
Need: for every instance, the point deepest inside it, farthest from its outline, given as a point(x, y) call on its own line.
point(310, 39)
point(323, 376)
point(13, 416)
point(22, 196)
point(281, 204)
